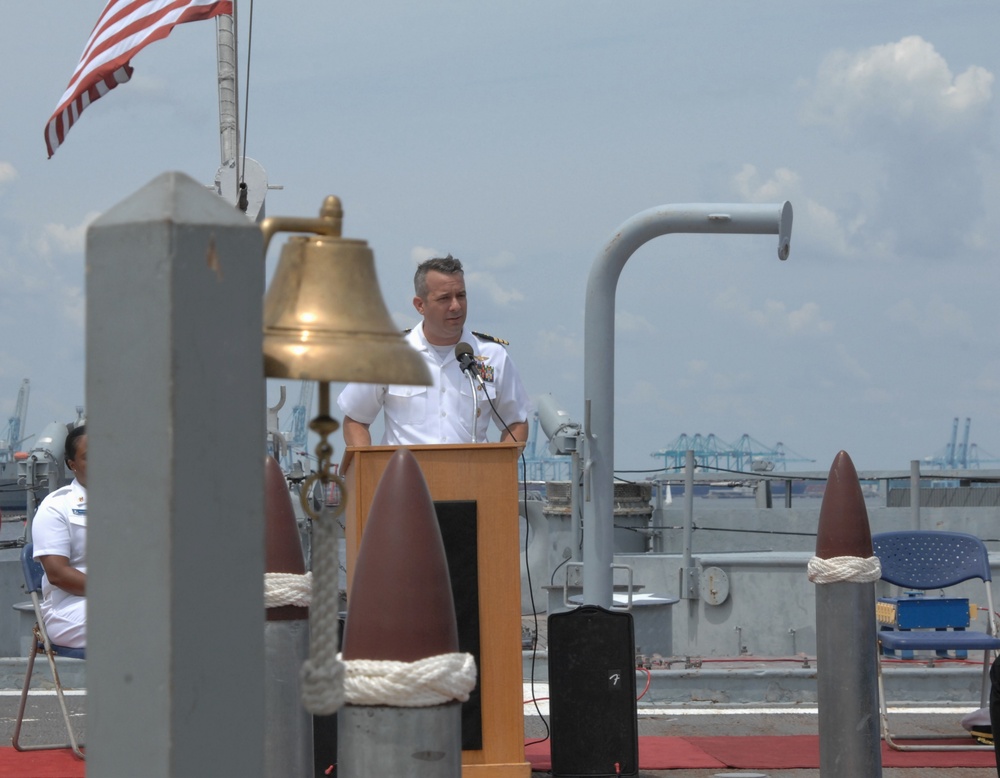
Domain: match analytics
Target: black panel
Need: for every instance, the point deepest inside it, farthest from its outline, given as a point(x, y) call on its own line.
point(457, 519)
point(592, 694)
point(325, 729)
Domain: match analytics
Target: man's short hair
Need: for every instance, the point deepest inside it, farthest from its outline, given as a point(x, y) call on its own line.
point(447, 265)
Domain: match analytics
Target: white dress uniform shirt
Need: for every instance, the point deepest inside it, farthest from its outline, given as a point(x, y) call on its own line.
point(60, 527)
point(443, 412)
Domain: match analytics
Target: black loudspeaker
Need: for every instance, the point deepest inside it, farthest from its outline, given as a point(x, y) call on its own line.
point(592, 699)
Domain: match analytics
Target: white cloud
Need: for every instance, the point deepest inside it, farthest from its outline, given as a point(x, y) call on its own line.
point(774, 316)
point(697, 367)
point(923, 134)
point(626, 321)
point(851, 364)
point(558, 344)
point(906, 84)
point(820, 222)
point(500, 261)
point(420, 254)
point(487, 282)
point(646, 394)
point(780, 186)
point(935, 318)
point(7, 172)
point(73, 306)
point(64, 239)
point(875, 395)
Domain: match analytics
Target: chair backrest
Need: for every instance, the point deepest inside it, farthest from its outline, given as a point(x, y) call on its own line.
point(930, 559)
point(32, 569)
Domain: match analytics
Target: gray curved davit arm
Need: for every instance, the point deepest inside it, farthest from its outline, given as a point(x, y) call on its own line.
point(599, 356)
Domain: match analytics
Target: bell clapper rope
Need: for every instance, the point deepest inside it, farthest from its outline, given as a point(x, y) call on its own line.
point(323, 671)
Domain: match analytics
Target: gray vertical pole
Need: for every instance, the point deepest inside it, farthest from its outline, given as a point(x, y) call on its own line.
point(176, 412)
point(915, 492)
point(656, 544)
point(762, 494)
point(687, 589)
point(576, 505)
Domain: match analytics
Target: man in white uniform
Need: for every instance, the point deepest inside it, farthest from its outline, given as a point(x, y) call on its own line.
point(443, 412)
point(59, 534)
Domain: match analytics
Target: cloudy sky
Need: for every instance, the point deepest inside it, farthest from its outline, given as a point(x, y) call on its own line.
point(518, 136)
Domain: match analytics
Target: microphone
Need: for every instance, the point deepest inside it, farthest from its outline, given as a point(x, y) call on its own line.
point(463, 353)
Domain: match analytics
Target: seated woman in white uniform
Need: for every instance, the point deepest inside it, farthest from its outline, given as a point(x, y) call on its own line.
point(59, 534)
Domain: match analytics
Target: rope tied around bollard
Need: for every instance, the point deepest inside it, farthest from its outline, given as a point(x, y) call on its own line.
point(841, 569)
point(287, 589)
point(434, 680)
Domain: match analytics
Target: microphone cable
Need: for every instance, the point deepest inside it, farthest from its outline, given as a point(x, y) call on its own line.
point(464, 355)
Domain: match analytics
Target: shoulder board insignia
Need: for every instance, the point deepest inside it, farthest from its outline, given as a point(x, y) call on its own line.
point(408, 330)
point(484, 336)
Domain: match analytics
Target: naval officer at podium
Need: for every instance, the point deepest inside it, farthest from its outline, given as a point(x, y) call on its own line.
point(445, 411)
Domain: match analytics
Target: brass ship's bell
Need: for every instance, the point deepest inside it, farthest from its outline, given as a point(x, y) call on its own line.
point(324, 316)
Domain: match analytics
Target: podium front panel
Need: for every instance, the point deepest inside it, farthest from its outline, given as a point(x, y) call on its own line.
point(484, 474)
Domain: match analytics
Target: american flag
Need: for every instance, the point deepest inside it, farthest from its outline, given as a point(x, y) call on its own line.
point(125, 27)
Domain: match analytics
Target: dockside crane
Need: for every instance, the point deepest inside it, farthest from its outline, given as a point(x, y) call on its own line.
point(298, 434)
point(746, 455)
point(959, 456)
point(962, 460)
point(950, 451)
point(16, 424)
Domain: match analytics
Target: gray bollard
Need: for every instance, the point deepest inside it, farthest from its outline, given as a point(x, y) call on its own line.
point(400, 610)
point(399, 742)
point(288, 745)
point(849, 742)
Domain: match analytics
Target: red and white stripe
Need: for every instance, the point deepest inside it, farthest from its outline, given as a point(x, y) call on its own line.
point(125, 27)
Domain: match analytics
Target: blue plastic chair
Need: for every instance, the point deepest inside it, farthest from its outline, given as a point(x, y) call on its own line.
point(931, 560)
point(33, 572)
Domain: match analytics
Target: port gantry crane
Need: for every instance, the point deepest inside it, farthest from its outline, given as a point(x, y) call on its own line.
point(16, 425)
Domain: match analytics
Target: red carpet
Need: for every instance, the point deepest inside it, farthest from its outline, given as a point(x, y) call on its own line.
point(785, 752)
point(40, 764)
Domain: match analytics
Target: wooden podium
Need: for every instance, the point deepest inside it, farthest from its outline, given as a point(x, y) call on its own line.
point(476, 486)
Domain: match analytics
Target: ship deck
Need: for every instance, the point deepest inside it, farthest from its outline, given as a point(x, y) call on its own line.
point(773, 725)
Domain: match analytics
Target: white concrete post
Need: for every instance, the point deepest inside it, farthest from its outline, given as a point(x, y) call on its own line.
point(176, 416)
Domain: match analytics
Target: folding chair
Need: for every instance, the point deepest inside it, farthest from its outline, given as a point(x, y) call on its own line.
point(920, 561)
point(33, 583)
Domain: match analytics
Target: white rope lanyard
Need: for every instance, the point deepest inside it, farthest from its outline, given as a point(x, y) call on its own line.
point(841, 569)
point(323, 672)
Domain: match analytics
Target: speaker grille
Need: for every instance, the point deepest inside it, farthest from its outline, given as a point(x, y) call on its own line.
point(592, 693)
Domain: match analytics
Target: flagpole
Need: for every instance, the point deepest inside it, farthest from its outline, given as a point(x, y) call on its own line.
point(240, 180)
point(229, 134)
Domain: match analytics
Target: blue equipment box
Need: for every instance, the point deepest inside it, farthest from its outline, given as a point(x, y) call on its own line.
point(922, 612)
